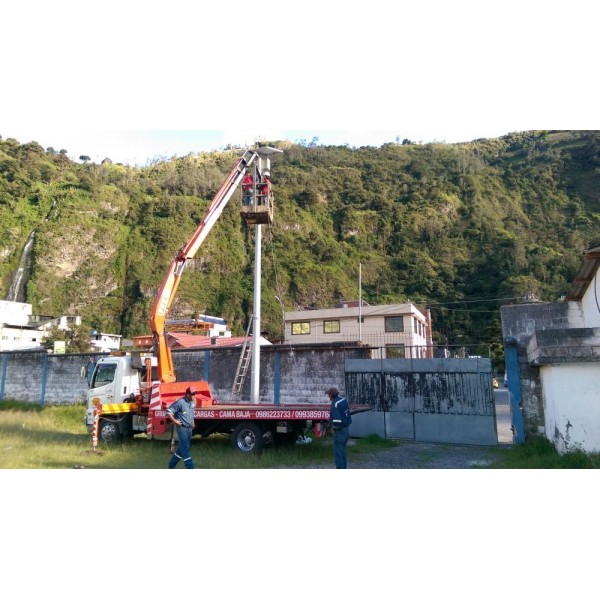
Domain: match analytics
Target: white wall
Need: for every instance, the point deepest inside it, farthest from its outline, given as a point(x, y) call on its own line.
point(590, 303)
point(15, 313)
point(105, 342)
point(12, 338)
point(571, 395)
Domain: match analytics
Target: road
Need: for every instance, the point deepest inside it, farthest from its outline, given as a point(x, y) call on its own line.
point(503, 420)
point(420, 455)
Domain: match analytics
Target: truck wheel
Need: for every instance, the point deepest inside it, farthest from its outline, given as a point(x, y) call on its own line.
point(108, 431)
point(247, 437)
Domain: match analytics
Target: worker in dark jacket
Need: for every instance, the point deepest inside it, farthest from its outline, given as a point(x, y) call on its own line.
point(264, 190)
point(89, 370)
point(181, 412)
point(340, 419)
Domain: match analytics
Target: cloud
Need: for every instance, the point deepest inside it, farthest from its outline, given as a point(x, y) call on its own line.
point(247, 137)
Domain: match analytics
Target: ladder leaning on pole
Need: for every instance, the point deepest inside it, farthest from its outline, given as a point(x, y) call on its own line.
point(243, 363)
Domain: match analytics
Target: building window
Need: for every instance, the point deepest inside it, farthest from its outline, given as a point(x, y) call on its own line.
point(394, 324)
point(395, 351)
point(302, 328)
point(331, 326)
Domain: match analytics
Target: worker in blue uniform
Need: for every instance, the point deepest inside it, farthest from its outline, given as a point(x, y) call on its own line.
point(339, 420)
point(181, 413)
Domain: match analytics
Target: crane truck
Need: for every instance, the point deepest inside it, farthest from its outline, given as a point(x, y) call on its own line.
point(129, 393)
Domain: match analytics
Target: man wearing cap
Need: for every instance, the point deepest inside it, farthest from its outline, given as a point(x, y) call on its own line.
point(340, 419)
point(181, 412)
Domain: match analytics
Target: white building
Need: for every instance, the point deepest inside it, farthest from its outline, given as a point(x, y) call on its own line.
point(20, 330)
point(16, 332)
point(104, 342)
point(395, 330)
point(571, 379)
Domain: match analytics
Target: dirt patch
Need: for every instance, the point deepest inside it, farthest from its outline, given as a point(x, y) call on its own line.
point(413, 455)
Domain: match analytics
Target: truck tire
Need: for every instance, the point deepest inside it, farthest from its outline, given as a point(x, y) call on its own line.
point(108, 431)
point(247, 437)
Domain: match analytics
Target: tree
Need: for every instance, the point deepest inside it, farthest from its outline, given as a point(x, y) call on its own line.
point(77, 338)
point(83, 158)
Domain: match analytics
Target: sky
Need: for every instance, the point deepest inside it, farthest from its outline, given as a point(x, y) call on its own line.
point(108, 81)
point(133, 81)
point(138, 148)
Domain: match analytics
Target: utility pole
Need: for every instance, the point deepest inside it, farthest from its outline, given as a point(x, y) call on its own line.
point(360, 302)
point(263, 167)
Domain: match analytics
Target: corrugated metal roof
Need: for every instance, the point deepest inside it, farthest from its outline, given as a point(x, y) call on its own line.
point(589, 266)
point(186, 340)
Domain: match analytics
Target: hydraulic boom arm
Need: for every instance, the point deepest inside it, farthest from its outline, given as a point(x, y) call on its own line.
point(166, 292)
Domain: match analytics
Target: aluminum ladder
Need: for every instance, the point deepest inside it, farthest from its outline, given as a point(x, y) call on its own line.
point(243, 363)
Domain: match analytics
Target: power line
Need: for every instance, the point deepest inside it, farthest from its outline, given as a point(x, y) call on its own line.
point(468, 310)
point(443, 304)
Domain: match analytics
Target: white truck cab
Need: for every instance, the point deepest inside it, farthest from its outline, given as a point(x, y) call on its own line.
point(116, 378)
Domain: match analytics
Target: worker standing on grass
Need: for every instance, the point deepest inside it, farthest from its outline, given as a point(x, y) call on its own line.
point(181, 412)
point(339, 419)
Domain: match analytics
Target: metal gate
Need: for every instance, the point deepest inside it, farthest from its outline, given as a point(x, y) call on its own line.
point(427, 400)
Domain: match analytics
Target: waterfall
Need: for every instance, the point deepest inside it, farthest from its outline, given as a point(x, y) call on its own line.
point(17, 287)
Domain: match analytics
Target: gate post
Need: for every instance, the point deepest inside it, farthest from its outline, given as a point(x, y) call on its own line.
point(511, 361)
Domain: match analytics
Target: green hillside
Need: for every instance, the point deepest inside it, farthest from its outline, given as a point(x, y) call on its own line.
point(463, 228)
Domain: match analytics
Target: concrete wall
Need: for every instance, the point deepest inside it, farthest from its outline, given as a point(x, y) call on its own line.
point(429, 400)
point(440, 400)
point(286, 375)
point(43, 378)
point(519, 323)
point(564, 345)
point(572, 406)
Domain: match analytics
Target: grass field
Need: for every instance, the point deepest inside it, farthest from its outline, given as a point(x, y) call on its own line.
point(52, 437)
point(35, 437)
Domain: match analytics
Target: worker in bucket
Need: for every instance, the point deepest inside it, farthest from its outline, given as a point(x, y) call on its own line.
point(264, 189)
point(247, 187)
point(181, 413)
point(339, 420)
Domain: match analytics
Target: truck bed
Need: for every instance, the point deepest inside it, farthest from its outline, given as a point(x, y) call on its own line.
point(275, 412)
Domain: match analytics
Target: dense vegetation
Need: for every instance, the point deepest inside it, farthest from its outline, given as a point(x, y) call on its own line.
point(463, 228)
